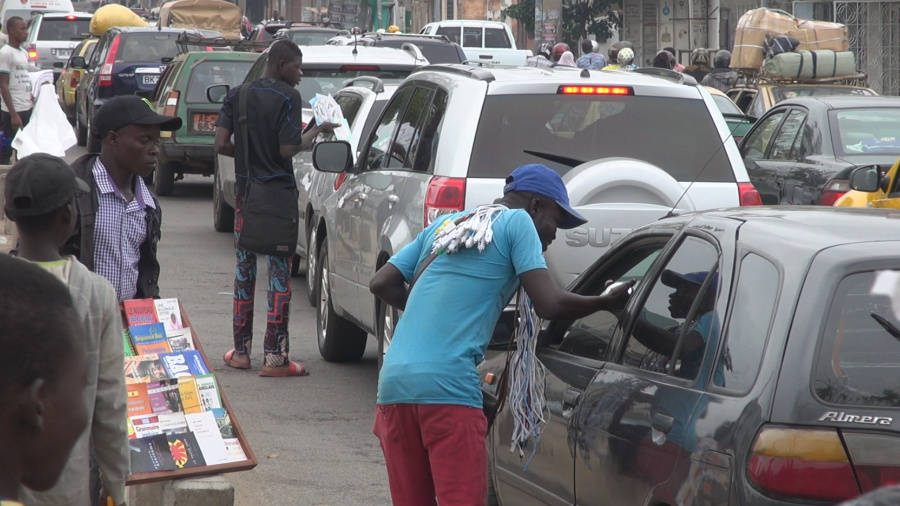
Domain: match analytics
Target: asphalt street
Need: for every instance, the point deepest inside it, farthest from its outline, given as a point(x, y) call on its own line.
point(312, 435)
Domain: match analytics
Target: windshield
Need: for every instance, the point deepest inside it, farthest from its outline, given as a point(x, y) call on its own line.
point(311, 38)
point(726, 106)
point(147, 47)
point(859, 358)
point(782, 93)
point(867, 131)
point(327, 81)
point(210, 73)
point(64, 29)
point(563, 131)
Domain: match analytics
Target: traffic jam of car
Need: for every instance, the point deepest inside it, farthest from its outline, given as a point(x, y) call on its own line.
point(771, 219)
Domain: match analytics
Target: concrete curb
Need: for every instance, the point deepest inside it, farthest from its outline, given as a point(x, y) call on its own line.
point(205, 491)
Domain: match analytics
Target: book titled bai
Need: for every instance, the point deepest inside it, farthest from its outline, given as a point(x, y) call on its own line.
point(149, 338)
point(184, 363)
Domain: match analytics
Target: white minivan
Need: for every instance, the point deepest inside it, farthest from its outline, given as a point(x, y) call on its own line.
point(25, 9)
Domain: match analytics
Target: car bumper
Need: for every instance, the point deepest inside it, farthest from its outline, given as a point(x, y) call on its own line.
point(191, 158)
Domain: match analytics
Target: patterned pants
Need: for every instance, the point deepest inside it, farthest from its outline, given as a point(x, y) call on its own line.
point(276, 344)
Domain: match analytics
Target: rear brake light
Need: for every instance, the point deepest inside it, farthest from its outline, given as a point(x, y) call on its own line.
point(876, 459)
point(594, 90)
point(170, 109)
point(361, 67)
point(748, 195)
point(71, 18)
point(32, 52)
point(833, 190)
point(806, 464)
point(105, 78)
point(339, 180)
point(445, 195)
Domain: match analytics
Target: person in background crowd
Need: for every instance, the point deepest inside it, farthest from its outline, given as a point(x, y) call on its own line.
point(664, 60)
point(722, 77)
point(590, 58)
point(678, 67)
point(15, 86)
point(542, 59)
point(4, 40)
point(40, 199)
point(614, 54)
point(566, 60)
point(43, 373)
point(275, 117)
point(120, 219)
point(699, 66)
point(626, 59)
point(429, 417)
point(558, 51)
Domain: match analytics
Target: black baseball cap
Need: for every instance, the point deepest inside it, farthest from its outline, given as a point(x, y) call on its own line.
point(39, 184)
point(123, 110)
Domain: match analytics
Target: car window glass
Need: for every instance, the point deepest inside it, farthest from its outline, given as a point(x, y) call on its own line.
point(409, 129)
point(668, 318)
point(332, 80)
point(213, 73)
point(257, 69)
point(166, 83)
point(756, 106)
point(384, 132)
point(63, 29)
point(496, 37)
point(748, 328)
point(590, 336)
point(725, 105)
point(858, 357)
point(98, 52)
point(784, 139)
point(472, 37)
point(865, 131)
point(757, 143)
point(743, 100)
point(423, 152)
point(804, 142)
point(349, 104)
point(147, 47)
point(451, 32)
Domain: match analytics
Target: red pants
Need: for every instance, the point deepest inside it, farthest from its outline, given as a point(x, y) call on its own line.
point(435, 453)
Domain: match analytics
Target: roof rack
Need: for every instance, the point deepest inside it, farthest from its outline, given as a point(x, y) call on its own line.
point(461, 69)
point(320, 24)
point(186, 39)
point(751, 78)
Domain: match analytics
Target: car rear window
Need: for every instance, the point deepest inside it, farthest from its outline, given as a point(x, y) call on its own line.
point(779, 94)
point(209, 73)
point(451, 32)
point(862, 131)
point(435, 52)
point(147, 47)
point(327, 81)
point(311, 38)
point(64, 29)
point(859, 358)
point(563, 131)
point(726, 106)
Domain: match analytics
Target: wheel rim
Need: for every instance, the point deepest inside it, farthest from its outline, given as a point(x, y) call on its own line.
point(323, 303)
point(216, 197)
point(387, 330)
point(311, 261)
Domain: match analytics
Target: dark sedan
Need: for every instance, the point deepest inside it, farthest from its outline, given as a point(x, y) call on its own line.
point(802, 150)
point(784, 390)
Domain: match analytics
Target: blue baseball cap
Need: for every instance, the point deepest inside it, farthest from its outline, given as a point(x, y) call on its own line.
point(674, 279)
point(541, 180)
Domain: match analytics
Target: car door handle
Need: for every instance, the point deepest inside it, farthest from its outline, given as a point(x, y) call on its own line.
point(485, 56)
point(662, 423)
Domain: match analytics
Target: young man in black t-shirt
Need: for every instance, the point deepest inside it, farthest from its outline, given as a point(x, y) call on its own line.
point(275, 126)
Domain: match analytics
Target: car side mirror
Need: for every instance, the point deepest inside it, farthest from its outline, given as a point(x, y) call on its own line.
point(332, 156)
point(78, 62)
point(865, 179)
point(217, 93)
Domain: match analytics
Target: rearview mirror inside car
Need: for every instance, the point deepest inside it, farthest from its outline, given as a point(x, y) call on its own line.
point(333, 156)
point(865, 179)
point(217, 93)
point(78, 62)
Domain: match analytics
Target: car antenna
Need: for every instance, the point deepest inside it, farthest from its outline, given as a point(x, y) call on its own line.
point(354, 31)
point(671, 212)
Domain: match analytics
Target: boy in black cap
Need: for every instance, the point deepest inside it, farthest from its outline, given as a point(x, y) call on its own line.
point(40, 198)
point(42, 378)
point(120, 218)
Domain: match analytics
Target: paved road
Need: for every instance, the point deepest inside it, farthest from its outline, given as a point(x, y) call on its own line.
point(312, 435)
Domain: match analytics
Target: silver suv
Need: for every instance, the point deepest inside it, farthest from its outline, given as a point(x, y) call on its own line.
point(631, 148)
point(53, 35)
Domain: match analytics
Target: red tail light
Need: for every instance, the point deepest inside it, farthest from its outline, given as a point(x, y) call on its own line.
point(802, 464)
point(876, 459)
point(76, 75)
point(748, 195)
point(339, 180)
point(71, 18)
point(105, 77)
point(594, 90)
point(444, 195)
point(833, 190)
point(170, 109)
point(373, 68)
point(32, 52)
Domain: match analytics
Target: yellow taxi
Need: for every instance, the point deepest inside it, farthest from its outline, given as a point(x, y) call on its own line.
point(68, 80)
point(870, 187)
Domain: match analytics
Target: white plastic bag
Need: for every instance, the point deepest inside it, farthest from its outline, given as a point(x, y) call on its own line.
point(48, 130)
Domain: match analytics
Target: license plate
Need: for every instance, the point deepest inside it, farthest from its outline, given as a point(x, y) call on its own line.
point(151, 79)
point(63, 53)
point(204, 122)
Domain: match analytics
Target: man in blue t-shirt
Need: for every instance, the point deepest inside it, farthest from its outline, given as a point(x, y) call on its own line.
point(429, 417)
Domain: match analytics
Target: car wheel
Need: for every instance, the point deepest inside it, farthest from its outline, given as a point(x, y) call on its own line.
point(165, 177)
point(312, 280)
point(339, 340)
point(492, 499)
point(385, 325)
point(296, 260)
point(223, 214)
point(93, 144)
point(81, 132)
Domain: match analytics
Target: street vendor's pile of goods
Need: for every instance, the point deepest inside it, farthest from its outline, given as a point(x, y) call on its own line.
point(111, 15)
point(779, 44)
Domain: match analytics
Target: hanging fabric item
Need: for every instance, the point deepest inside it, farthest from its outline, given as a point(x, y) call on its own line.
point(526, 400)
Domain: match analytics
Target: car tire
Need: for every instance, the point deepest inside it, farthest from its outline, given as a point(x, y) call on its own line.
point(93, 144)
point(312, 265)
point(223, 214)
point(81, 132)
point(339, 340)
point(296, 260)
point(165, 177)
point(384, 328)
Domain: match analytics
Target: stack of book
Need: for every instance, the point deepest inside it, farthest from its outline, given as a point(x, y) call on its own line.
point(176, 418)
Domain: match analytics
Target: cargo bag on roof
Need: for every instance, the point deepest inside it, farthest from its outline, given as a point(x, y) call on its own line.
point(811, 64)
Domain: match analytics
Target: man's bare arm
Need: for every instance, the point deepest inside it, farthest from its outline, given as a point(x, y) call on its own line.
point(223, 143)
point(389, 285)
point(552, 303)
point(7, 99)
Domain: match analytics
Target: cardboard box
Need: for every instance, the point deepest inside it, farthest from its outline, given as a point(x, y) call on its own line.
point(7, 227)
point(751, 33)
point(836, 39)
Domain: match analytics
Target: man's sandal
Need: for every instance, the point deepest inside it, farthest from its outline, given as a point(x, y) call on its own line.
point(231, 361)
point(292, 369)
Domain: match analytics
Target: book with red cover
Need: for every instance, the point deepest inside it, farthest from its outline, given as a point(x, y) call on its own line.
point(140, 311)
point(138, 400)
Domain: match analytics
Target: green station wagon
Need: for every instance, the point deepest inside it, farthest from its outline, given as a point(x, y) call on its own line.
point(182, 92)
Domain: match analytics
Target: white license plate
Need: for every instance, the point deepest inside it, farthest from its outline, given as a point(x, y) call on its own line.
point(63, 53)
point(150, 79)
